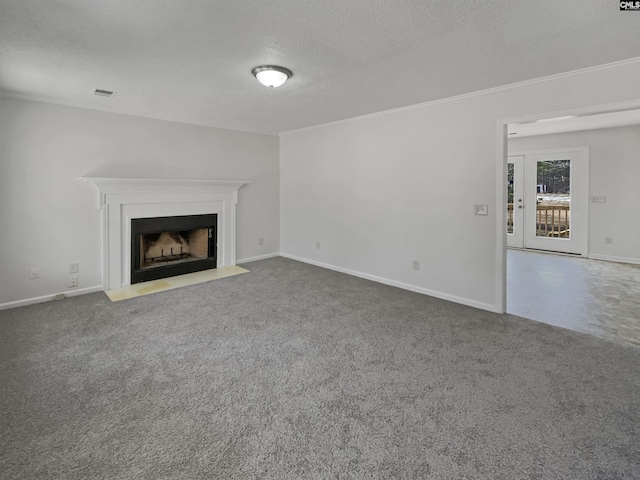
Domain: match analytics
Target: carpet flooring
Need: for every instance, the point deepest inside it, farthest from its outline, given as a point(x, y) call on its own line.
point(296, 372)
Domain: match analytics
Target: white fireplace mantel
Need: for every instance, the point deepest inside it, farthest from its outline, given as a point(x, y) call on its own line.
point(122, 199)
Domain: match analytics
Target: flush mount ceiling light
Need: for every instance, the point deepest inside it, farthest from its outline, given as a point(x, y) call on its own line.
point(271, 75)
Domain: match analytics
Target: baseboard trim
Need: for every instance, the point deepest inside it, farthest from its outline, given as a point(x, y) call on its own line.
point(48, 298)
point(395, 283)
point(259, 257)
point(612, 258)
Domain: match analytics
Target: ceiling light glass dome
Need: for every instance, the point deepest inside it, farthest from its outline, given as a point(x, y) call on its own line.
point(271, 75)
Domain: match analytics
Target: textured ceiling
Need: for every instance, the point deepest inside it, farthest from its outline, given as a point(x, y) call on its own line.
point(190, 60)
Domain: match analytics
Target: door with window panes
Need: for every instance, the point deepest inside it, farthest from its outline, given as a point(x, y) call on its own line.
point(547, 200)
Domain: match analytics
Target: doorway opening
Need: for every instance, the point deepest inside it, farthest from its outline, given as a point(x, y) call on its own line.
point(608, 199)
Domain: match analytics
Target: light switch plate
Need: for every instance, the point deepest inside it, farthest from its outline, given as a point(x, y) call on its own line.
point(481, 209)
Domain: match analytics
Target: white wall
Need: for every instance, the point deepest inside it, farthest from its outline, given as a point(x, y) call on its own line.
point(614, 169)
point(380, 191)
point(48, 218)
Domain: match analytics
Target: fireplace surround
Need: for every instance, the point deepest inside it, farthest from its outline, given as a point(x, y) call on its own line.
point(122, 200)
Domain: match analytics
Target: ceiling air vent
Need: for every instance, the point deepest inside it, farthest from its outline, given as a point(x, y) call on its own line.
point(103, 93)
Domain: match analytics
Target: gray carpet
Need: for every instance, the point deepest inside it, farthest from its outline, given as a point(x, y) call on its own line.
point(292, 371)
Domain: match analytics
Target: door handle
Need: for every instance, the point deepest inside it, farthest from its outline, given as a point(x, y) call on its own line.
point(520, 206)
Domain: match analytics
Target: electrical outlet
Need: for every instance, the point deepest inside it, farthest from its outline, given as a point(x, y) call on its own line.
point(35, 273)
point(73, 282)
point(598, 199)
point(608, 240)
point(74, 267)
point(317, 245)
point(260, 241)
point(416, 265)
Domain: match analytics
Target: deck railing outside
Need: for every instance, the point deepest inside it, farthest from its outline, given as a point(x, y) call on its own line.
point(551, 220)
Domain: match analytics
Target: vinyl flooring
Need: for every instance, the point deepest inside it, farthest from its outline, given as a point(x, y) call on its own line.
point(589, 296)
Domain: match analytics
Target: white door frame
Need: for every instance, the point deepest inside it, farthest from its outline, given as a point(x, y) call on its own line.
point(500, 276)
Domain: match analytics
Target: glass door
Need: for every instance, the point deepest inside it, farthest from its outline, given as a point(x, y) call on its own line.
point(555, 202)
point(515, 202)
point(547, 200)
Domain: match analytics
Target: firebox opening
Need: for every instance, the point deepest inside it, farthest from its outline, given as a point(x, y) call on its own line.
point(168, 246)
point(159, 249)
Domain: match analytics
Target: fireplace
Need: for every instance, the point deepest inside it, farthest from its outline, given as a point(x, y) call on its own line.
point(167, 246)
point(125, 199)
